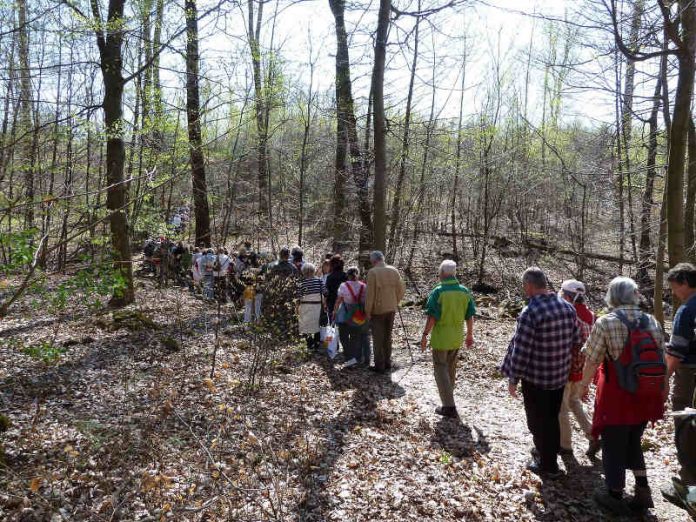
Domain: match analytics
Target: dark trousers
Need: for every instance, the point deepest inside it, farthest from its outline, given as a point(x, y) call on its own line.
point(382, 326)
point(621, 450)
point(313, 341)
point(542, 408)
point(684, 396)
point(355, 342)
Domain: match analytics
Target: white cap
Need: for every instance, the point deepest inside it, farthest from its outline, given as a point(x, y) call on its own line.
point(573, 286)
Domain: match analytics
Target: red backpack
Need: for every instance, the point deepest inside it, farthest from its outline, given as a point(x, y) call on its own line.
point(641, 368)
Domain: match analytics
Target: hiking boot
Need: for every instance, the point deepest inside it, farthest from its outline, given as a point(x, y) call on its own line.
point(377, 370)
point(642, 500)
point(616, 506)
point(593, 448)
point(447, 411)
point(545, 473)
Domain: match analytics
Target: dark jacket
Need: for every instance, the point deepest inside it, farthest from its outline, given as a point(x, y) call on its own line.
point(333, 281)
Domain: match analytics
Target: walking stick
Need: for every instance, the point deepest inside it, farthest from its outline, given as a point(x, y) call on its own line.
point(408, 343)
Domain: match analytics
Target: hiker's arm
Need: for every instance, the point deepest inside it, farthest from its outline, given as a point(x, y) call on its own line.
point(339, 302)
point(429, 325)
point(469, 332)
point(370, 294)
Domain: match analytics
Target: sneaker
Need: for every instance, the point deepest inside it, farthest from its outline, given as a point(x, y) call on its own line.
point(350, 362)
point(447, 411)
point(616, 506)
point(536, 468)
point(642, 500)
point(593, 448)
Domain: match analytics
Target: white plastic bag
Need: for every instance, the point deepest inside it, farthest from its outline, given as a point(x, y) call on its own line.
point(322, 332)
point(331, 341)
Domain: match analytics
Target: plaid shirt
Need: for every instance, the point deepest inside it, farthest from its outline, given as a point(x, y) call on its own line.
point(609, 335)
point(540, 349)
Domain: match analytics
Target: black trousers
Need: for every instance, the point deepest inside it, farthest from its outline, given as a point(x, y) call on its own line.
point(621, 450)
point(313, 341)
point(542, 408)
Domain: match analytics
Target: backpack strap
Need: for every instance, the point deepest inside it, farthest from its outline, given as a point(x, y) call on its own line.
point(352, 292)
point(630, 325)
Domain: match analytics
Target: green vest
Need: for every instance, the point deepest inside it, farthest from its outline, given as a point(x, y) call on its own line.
point(451, 304)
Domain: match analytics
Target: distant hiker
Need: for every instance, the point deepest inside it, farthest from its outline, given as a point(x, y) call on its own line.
point(333, 281)
point(196, 271)
point(627, 399)
point(539, 355)
point(240, 262)
point(220, 273)
point(681, 362)
point(280, 293)
point(353, 328)
point(573, 291)
point(297, 258)
point(249, 296)
point(385, 289)
point(283, 267)
point(325, 270)
point(311, 301)
point(449, 306)
point(207, 264)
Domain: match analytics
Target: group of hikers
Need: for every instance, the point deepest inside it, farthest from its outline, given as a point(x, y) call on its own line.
point(558, 349)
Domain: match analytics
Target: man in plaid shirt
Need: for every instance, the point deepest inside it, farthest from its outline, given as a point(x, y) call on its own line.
point(539, 355)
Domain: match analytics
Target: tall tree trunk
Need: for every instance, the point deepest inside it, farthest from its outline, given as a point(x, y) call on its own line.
point(303, 151)
point(380, 127)
point(253, 35)
point(109, 41)
point(347, 134)
point(193, 114)
point(681, 115)
point(650, 174)
point(626, 118)
point(458, 158)
point(405, 140)
point(26, 160)
point(690, 193)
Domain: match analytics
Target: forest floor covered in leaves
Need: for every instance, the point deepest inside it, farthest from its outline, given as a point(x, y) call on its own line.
point(124, 422)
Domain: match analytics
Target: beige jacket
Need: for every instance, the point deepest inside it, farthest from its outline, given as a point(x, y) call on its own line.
point(385, 289)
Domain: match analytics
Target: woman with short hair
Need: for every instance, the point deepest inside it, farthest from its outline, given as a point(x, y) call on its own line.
point(625, 401)
point(311, 301)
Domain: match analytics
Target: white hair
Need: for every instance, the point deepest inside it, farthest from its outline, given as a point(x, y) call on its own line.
point(622, 291)
point(308, 269)
point(448, 268)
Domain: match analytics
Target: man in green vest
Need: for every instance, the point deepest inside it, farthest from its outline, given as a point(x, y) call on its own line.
point(449, 306)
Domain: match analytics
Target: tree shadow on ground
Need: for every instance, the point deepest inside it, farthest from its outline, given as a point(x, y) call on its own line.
point(362, 411)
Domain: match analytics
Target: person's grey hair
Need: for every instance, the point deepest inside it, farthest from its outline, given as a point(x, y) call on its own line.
point(536, 277)
point(622, 291)
point(448, 268)
point(308, 269)
point(353, 273)
point(376, 256)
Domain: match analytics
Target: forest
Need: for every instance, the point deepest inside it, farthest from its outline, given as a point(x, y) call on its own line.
point(499, 134)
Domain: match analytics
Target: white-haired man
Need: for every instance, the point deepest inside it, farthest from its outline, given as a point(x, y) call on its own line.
point(385, 290)
point(449, 306)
